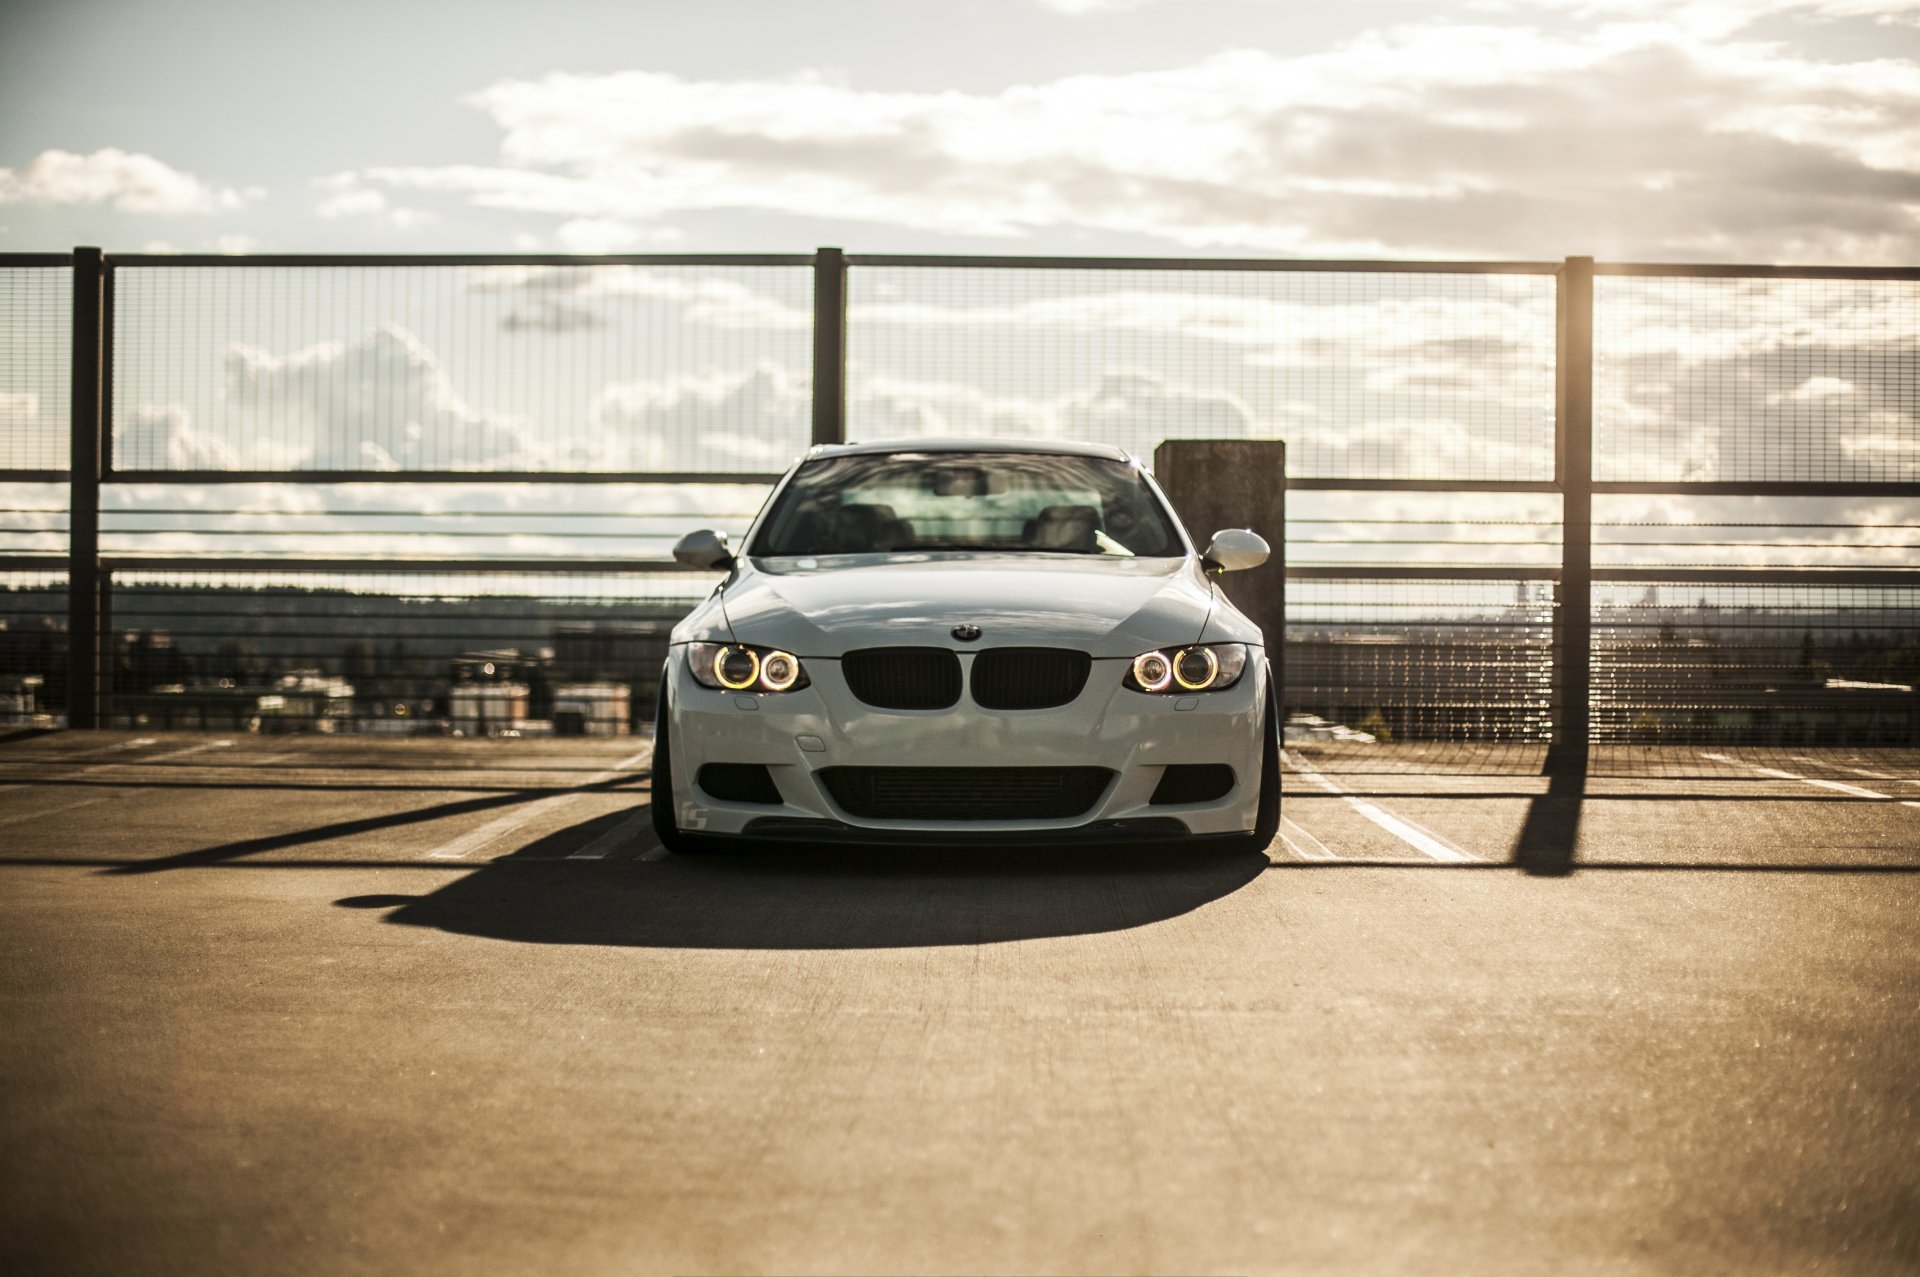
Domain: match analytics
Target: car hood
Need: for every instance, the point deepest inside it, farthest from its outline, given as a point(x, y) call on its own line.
point(1104, 606)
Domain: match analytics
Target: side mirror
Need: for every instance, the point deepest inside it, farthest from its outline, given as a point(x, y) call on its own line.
point(708, 549)
point(1234, 549)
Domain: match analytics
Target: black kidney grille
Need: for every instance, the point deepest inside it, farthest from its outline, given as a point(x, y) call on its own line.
point(965, 793)
point(903, 677)
point(1028, 677)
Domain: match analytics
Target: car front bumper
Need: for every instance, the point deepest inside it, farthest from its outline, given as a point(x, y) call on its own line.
point(797, 734)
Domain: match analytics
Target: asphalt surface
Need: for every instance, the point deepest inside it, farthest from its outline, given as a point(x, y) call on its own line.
point(318, 1005)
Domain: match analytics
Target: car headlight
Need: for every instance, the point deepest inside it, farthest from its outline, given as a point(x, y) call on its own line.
point(1203, 667)
point(745, 667)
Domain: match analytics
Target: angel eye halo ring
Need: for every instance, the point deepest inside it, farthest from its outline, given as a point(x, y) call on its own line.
point(726, 668)
point(1197, 667)
point(1152, 671)
point(745, 667)
point(779, 671)
point(1208, 672)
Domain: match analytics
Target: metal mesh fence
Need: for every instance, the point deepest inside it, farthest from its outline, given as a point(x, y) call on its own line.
point(600, 368)
point(33, 518)
point(393, 652)
point(537, 523)
point(1717, 379)
point(1757, 665)
point(1435, 665)
point(1742, 533)
point(1423, 529)
point(33, 647)
point(1379, 375)
point(35, 352)
point(1422, 622)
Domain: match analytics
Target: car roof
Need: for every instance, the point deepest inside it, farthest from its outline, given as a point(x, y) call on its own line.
point(1055, 447)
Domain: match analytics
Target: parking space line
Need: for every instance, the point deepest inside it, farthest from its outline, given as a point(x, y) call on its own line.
point(1425, 841)
point(23, 817)
point(606, 844)
point(64, 808)
point(505, 823)
point(1839, 786)
point(1842, 767)
point(1302, 843)
point(1857, 771)
point(89, 756)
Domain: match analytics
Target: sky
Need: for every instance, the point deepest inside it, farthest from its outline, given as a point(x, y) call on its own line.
point(1494, 130)
point(1710, 130)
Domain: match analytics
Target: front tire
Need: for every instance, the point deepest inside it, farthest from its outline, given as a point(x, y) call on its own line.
point(1266, 821)
point(666, 827)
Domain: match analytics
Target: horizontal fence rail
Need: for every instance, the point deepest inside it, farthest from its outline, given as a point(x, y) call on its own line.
point(1536, 506)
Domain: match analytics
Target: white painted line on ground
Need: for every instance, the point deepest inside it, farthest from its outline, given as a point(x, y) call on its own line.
point(96, 768)
point(25, 816)
point(1858, 771)
point(1425, 841)
point(607, 843)
point(508, 821)
point(89, 756)
point(1302, 843)
point(1842, 767)
point(1836, 785)
point(655, 853)
point(188, 752)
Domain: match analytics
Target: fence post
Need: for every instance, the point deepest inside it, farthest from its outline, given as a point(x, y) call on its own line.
point(85, 457)
point(1573, 448)
point(829, 346)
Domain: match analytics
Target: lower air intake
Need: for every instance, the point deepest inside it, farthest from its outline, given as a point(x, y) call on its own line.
point(1192, 783)
point(739, 783)
point(965, 793)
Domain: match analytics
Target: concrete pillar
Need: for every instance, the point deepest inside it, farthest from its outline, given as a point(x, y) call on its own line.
point(1235, 483)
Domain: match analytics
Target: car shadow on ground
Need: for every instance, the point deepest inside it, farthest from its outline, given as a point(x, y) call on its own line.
point(820, 897)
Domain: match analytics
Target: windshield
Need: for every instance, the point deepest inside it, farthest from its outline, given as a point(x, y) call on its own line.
point(1009, 501)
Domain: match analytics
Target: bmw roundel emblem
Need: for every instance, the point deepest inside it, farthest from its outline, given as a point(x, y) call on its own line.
point(966, 632)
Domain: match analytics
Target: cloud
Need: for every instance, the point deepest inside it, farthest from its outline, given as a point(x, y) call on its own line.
point(350, 199)
point(1713, 16)
point(566, 298)
point(30, 436)
point(354, 203)
point(18, 409)
point(1136, 409)
point(162, 436)
point(383, 402)
point(130, 182)
point(757, 420)
point(1629, 138)
point(1081, 8)
point(1712, 379)
point(603, 235)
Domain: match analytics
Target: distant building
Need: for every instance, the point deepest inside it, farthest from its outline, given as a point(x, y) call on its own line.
point(20, 700)
point(627, 653)
point(592, 709)
point(307, 701)
point(302, 701)
point(488, 709)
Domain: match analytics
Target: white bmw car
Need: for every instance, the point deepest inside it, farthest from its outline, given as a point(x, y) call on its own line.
point(967, 641)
